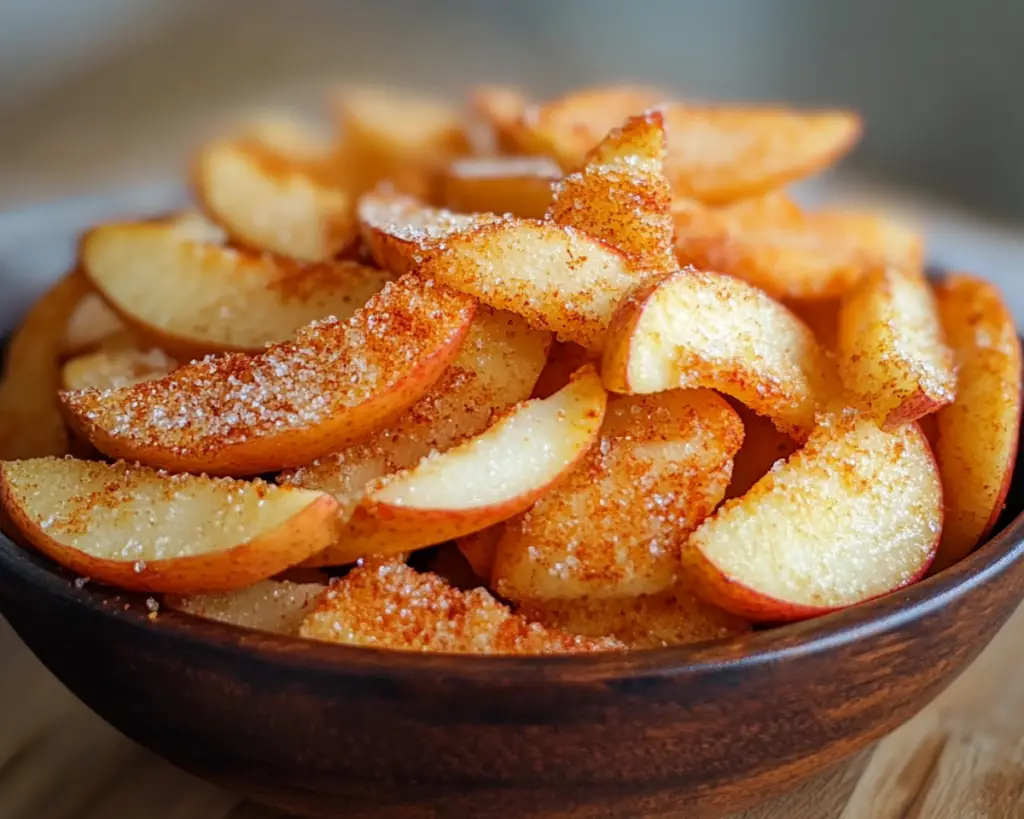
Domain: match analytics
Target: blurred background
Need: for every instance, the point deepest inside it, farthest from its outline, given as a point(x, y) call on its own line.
point(97, 94)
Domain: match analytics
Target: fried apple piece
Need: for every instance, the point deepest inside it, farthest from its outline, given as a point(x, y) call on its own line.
point(890, 348)
point(30, 420)
point(90, 324)
point(178, 286)
point(277, 190)
point(977, 433)
point(104, 370)
point(502, 108)
point(269, 605)
point(854, 514)
point(399, 230)
point(143, 530)
point(694, 329)
point(397, 136)
point(615, 525)
point(482, 481)
point(763, 447)
point(496, 367)
point(621, 196)
point(557, 278)
point(244, 415)
point(787, 253)
point(673, 617)
point(389, 605)
point(569, 127)
point(518, 185)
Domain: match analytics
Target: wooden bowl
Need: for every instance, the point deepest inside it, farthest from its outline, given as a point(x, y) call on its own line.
point(692, 731)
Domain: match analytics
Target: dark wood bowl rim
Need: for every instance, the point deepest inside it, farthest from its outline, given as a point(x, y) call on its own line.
point(884, 614)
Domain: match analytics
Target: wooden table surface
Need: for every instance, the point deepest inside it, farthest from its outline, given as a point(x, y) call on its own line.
point(961, 758)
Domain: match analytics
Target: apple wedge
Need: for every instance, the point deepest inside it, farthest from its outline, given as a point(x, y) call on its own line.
point(788, 253)
point(143, 530)
point(502, 108)
point(495, 368)
point(244, 415)
point(396, 136)
point(30, 419)
point(890, 348)
point(178, 286)
point(104, 370)
point(90, 324)
point(400, 230)
point(270, 196)
point(518, 185)
point(694, 329)
point(557, 278)
point(389, 605)
point(977, 433)
point(482, 481)
point(621, 196)
point(269, 605)
point(569, 127)
point(855, 514)
point(615, 525)
point(672, 618)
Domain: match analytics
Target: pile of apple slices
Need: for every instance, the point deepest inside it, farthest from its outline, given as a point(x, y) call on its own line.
point(595, 383)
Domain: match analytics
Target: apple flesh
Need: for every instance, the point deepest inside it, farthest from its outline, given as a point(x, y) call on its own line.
point(178, 286)
point(482, 481)
point(144, 530)
point(245, 415)
point(890, 348)
point(856, 513)
point(977, 434)
point(693, 329)
point(621, 195)
point(517, 185)
point(390, 605)
point(615, 525)
point(110, 369)
point(269, 605)
point(557, 278)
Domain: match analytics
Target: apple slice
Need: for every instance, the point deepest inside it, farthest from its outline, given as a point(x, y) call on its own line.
point(787, 253)
point(495, 368)
point(890, 348)
point(673, 617)
point(518, 185)
point(622, 196)
point(269, 605)
point(615, 525)
point(557, 278)
point(30, 420)
point(400, 230)
point(396, 136)
point(502, 109)
point(110, 369)
point(977, 433)
point(275, 194)
point(389, 605)
point(177, 285)
point(569, 127)
point(243, 415)
point(694, 329)
point(144, 530)
point(90, 324)
point(482, 481)
point(855, 514)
